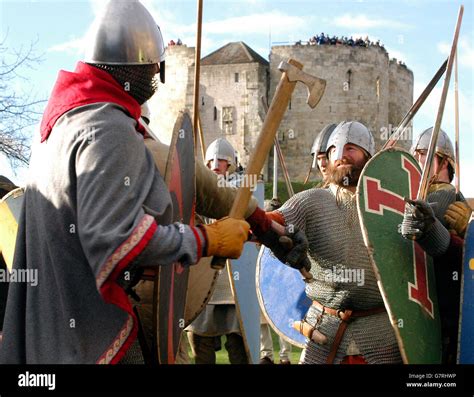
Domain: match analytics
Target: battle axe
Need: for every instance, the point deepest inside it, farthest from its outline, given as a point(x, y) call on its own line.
point(292, 72)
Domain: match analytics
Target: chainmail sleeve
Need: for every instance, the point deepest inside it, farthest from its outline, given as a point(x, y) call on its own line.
point(294, 210)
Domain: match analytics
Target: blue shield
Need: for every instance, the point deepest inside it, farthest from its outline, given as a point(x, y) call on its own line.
point(282, 297)
point(242, 275)
point(466, 318)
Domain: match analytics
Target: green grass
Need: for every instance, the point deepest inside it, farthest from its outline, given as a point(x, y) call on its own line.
point(223, 358)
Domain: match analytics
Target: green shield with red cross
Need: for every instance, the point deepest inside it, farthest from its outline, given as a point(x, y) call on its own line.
point(404, 271)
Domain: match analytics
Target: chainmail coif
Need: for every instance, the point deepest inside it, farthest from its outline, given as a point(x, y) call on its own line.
point(139, 81)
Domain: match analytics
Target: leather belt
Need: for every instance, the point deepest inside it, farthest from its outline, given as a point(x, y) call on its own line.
point(345, 315)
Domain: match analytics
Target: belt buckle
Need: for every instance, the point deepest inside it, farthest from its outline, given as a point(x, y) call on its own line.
point(340, 312)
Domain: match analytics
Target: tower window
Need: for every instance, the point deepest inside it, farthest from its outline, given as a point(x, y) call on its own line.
point(348, 81)
point(377, 88)
point(236, 77)
point(227, 120)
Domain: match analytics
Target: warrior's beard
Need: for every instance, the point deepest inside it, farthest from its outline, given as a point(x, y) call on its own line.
point(347, 175)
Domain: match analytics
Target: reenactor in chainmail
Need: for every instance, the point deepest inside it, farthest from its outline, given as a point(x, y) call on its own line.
point(319, 149)
point(441, 193)
point(451, 207)
point(348, 322)
point(428, 223)
point(318, 154)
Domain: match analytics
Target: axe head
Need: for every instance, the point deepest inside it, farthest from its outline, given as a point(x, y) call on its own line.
point(315, 85)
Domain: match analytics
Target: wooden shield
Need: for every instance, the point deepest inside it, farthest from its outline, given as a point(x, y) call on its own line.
point(281, 295)
point(242, 275)
point(404, 272)
point(201, 281)
point(10, 210)
point(466, 318)
point(172, 281)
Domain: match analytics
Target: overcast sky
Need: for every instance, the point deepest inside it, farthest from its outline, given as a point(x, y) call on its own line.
point(417, 32)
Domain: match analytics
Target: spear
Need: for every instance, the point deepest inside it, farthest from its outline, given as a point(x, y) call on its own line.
point(197, 63)
point(456, 123)
point(392, 140)
point(423, 189)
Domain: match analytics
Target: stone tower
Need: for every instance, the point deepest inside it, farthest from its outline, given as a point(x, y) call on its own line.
point(176, 93)
point(362, 84)
point(232, 80)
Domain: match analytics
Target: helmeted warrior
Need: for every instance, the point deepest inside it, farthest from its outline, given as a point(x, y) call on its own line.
point(96, 209)
point(319, 149)
point(347, 316)
point(219, 317)
point(427, 223)
point(440, 190)
point(451, 207)
point(318, 153)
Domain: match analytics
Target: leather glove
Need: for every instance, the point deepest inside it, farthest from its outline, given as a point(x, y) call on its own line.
point(420, 224)
point(290, 248)
point(225, 237)
point(457, 217)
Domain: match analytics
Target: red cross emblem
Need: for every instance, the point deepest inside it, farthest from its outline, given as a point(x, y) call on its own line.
point(378, 200)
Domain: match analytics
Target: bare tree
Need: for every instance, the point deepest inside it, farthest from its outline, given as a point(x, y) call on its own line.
point(18, 110)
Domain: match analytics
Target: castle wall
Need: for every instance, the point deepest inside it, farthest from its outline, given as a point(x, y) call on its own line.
point(362, 84)
point(176, 93)
point(357, 88)
point(401, 98)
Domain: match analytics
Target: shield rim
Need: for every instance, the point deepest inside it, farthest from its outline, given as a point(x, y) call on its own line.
point(392, 318)
point(234, 294)
point(156, 287)
point(263, 309)
point(470, 228)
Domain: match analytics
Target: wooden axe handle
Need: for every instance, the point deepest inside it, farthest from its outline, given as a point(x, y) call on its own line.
point(275, 114)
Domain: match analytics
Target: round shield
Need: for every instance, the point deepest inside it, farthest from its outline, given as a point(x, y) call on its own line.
point(172, 282)
point(282, 297)
point(200, 286)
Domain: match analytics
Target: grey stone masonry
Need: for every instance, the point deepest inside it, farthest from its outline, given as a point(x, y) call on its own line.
point(362, 84)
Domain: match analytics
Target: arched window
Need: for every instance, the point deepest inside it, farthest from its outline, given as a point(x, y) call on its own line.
point(348, 78)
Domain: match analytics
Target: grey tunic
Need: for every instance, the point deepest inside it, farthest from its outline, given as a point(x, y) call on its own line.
point(92, 212)
point(336, 250)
